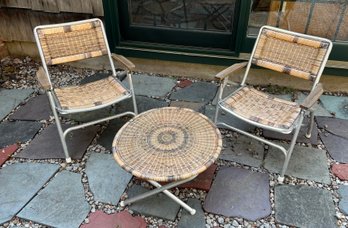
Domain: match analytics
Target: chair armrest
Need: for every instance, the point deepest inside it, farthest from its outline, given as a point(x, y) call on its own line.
point(123, 61)
point(223, 74)
point(313, 97)
point(43, 79)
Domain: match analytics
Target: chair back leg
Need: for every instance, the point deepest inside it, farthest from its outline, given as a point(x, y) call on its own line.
point(130, 82)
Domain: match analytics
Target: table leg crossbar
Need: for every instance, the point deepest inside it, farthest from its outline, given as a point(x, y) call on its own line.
point(159, 188)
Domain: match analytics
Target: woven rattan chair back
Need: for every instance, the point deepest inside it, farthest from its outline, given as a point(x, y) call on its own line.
point(291, 53)
point(69, 42)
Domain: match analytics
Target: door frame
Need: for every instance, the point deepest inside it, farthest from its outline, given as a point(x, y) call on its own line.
point(243, 43)
point(171, 52)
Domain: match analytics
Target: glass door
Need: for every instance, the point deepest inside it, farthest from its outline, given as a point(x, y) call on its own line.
point(189, 23)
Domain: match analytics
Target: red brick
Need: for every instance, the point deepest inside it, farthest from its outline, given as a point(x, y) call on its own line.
point(203, 181)
point(122, 219)
point(340, 170)
point(184, 83)
point(6, 153)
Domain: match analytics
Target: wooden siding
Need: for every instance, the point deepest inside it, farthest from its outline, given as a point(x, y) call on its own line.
point(19, 17)
point(94, 7)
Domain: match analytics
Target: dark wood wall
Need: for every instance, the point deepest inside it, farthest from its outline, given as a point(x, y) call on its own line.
point(18, 18)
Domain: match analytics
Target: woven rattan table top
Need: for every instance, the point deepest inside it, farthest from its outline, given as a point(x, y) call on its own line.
point(167, 144)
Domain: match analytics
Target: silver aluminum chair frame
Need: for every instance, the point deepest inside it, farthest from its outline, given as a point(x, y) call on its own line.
point(43, 74)
point(306, 106)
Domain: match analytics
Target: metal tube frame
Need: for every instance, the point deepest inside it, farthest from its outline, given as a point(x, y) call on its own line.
point(53, 101)
point(63, 133)
point(298, 123)
point(287, 152)
point(159, 188)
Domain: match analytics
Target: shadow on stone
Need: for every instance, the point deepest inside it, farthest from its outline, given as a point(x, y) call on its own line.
point(37, 108)
point(48, 145)
point(301, 136)
point(244, 150)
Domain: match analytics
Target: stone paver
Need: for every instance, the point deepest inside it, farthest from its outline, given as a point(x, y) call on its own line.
point(123, 219)
point(306, 163)
point(19, 183)
point(244, 150)
point(107, 180)
point(151, 86)
point(197, 92)
point(335, 126)
point(47, 145)
point(158, 205)
point(301, 136)
point(239, 193)
point(18, 131)
point(343, 193)
point(198, 107)
point(319, 109)
point(143, 104)
point(336, 146)
point(197, 220)
point(60, 204)
point(304, 206)
point(287, 97)
point(109, 133)
point(229, 89)
point(336, 105)
point(227, 118)
point(11, 98)
point(340, 170)
point(5, 153)
point(202, 181)
point(37, 108)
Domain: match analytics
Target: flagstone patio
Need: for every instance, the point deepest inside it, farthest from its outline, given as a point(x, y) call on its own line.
point(38, 189)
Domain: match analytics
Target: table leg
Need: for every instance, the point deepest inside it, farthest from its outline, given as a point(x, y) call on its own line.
point(176, 199)
point(164, 189)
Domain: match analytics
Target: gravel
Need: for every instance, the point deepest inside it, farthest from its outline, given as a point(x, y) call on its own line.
point(20, 73)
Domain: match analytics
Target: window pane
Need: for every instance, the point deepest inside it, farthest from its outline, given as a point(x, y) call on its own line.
point(209, 15)
point(320, 18)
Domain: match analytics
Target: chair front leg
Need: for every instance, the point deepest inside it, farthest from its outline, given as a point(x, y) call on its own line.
point(59, 127)
point(220, 92)
point(291, 148)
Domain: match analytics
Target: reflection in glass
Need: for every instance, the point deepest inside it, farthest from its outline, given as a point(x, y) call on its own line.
point(315, 17)
point(209, 15)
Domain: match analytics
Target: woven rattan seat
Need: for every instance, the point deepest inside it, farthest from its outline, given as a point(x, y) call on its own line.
point(262, 108)
point(167, 144)
point(89, 95)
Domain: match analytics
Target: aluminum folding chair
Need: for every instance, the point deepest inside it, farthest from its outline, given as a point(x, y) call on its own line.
point(288, 52)
point(68, 42)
